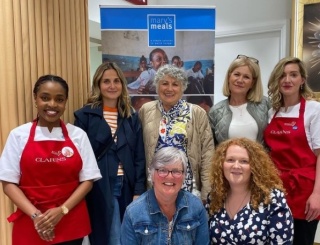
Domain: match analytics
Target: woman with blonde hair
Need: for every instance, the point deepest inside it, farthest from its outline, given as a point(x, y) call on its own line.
point(247, 203)
point(245, 111)
point(293, 138)
point(114, 131)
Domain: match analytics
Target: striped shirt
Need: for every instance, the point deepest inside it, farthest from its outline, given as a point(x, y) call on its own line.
point(111, 117)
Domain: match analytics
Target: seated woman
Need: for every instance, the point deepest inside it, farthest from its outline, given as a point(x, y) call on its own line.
point(248, 202)
point(166, 214)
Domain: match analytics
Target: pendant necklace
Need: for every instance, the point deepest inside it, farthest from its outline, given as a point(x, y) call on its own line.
point(239, 107)
point(231, 215)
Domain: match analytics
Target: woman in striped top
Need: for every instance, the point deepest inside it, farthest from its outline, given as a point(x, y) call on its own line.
point(114, 131)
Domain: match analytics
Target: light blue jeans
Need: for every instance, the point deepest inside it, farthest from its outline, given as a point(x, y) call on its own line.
point(114, 238)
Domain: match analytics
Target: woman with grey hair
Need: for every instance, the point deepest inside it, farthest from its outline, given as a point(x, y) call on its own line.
point(166, 214)
point(161, 160)
point(171, 121)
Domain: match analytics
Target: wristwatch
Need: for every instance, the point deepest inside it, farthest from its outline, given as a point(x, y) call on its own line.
point(35, 215)
point(65, 210)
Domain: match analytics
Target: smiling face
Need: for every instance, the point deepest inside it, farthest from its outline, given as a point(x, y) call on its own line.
point(110, 87)
point(169, 186)
point(197, 67)
point(50, 100)
point(236, 167)
point(158, 59)
point(240, 81)
point(170, 92)
point(291, 81)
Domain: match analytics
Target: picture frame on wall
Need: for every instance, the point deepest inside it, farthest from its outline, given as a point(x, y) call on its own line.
point(138, 2)
point(305, 40)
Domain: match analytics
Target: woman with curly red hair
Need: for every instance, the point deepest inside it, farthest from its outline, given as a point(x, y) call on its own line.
point(247, 203)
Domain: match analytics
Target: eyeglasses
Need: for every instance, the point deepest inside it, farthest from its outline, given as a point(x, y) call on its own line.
point(241, 56)
point(162, 172)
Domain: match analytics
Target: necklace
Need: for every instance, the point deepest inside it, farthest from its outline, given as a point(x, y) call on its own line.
point(239, 108)
point(228, 209)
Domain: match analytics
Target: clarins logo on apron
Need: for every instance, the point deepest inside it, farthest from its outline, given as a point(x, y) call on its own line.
point(292, 124)
point(50, 159)
point(67, 151)
point(62, 156)
point(280, 132)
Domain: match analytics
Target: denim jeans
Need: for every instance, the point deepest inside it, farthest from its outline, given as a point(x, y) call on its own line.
point(114, 238)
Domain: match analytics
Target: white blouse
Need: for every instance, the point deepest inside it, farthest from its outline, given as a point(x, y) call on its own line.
point(18, 137)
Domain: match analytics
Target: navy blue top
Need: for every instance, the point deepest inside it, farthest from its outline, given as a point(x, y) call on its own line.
point(129, 150)
point(270, 224)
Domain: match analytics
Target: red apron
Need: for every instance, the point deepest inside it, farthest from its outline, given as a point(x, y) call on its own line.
point(291, 153)
point(49, 175)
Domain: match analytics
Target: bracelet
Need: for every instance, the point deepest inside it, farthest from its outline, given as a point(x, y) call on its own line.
point(35, 215)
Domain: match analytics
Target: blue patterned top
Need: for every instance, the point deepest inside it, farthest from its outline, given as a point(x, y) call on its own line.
point(173, 132)
point(270, 224)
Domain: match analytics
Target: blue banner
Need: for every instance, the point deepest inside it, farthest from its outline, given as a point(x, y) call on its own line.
point(140, 39)
point(119, 18)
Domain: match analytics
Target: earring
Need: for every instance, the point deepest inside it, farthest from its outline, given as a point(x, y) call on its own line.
point(301, 87)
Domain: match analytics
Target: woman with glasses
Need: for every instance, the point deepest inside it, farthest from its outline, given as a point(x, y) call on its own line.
point(171, 121)
point(293, 137)
point(245, 111)
point(166, 214)
point(247, 204)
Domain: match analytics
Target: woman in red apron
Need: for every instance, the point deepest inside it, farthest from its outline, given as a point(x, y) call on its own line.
point(44, 173)
point(293, 136)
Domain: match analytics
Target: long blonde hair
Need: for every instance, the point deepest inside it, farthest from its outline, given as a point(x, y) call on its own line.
point(275, 77)
point(95, 97)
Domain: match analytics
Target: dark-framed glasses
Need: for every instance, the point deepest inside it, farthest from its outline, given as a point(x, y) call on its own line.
point(162, 172)
point(242, 56)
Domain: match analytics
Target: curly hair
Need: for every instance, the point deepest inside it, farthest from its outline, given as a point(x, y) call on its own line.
point(173, 72)
point(95, 97)
point(264, 174)
point(255, 94)
point(277, 74)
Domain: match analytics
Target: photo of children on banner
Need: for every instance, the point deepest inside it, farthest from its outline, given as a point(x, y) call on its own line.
point(176, 61)
point(203, 101)
point(138, 101)
point(144, 83)
point(195, 79)
point(208, 82)
point(143, 64)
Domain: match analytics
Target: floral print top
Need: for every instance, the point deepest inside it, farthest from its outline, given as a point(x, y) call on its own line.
point(270, 224)
point(172, 132)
